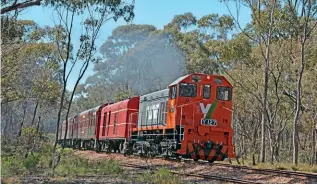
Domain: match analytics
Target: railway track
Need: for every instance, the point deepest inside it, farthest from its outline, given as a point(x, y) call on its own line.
point(266, 171)
point(204, 176)
point(272, 172)
point(279, 172)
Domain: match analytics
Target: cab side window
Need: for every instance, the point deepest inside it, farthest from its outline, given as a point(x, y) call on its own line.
point(224, 93)
point(206, 91)
point(173, 92)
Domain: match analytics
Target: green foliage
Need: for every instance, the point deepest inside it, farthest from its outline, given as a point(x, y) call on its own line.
point(28, 154)
point(72, 165)
point(66, 151)
point(30, 66)
point(24, 159)
point(183, 21)
point(215, 25)
point(31, 161)
point(122, 95)
point(161, 176)
point(295, 168)
point(12, 166)
point(29, 132)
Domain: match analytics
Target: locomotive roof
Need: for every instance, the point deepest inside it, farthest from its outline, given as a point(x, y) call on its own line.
point(154, 95)
point(179, 79)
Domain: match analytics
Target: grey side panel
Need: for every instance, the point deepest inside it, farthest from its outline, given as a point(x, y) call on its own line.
point(152, 108)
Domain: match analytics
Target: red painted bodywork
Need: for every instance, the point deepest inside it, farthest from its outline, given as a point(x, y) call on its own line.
point(62, 129)
point(115, 119)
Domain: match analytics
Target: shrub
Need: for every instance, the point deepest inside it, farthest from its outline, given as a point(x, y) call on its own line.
point(30, 163)
point(109, 167)
point(281, 166)
point(67, 151)
point(25, 154)
point(12, 166)
point(72, 165)
point(295, 168)
point(29, 132)
point(314, 170)
point(161, 176)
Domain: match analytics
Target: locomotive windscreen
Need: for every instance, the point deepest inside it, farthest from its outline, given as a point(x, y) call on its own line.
point(187, 90)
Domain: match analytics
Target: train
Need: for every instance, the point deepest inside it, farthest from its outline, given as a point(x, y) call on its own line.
point(191, 118)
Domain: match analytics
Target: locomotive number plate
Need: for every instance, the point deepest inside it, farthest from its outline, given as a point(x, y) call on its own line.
point(210, 122)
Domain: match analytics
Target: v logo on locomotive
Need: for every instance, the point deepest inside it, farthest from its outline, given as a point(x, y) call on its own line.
point(207, 111)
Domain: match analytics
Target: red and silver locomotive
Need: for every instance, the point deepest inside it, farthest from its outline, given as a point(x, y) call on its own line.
point(190, 119)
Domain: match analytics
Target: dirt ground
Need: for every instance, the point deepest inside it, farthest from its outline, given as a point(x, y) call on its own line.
point(199, 169)
point(130, 175)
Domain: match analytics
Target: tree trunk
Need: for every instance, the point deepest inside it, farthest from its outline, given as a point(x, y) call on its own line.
point(34, 113)
point(263, 116)
point(254, 145)
point(313, 144)
point(272, 155)
point(298, 106)
point(253, 159)
point(70, 102)
point(277, 153)
point(51, 165)
point(24, 105)
point(38, 125)
point(59, 116)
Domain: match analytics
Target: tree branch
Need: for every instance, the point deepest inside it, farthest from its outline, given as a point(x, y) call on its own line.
point(16, 6)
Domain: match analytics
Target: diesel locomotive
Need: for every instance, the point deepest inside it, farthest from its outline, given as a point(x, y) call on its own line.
point(190, 119)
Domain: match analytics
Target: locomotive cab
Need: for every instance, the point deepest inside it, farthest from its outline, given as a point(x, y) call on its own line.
point(200, 109)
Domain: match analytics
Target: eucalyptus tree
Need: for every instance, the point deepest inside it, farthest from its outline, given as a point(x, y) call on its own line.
point(303, 16)
point(264, 21)
point(99, 13)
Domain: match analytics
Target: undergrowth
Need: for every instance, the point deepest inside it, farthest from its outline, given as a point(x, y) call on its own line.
point(31, 154)
point(283, 165)
point(72, 165)
point(161, 176)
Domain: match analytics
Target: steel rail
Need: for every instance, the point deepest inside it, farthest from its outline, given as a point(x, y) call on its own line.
point(284, 172)
point(267, 171)
point(277, 172)
point(204, 176)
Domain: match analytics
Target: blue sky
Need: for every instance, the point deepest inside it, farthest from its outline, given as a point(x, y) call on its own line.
point(155, 12)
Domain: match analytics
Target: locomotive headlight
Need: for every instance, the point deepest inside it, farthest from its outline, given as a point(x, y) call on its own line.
point(172, 109)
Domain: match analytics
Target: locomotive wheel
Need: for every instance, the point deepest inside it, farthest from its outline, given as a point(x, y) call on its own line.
point(178, 158)
point(211, 161)
point(121, 150)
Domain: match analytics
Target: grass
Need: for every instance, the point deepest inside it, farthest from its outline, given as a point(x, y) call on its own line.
point(72, 165)
point(288, 166)
point(16, 165)
point(161, 176)
point(302, 167)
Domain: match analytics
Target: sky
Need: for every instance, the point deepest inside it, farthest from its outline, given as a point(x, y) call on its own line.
point(155, 12)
